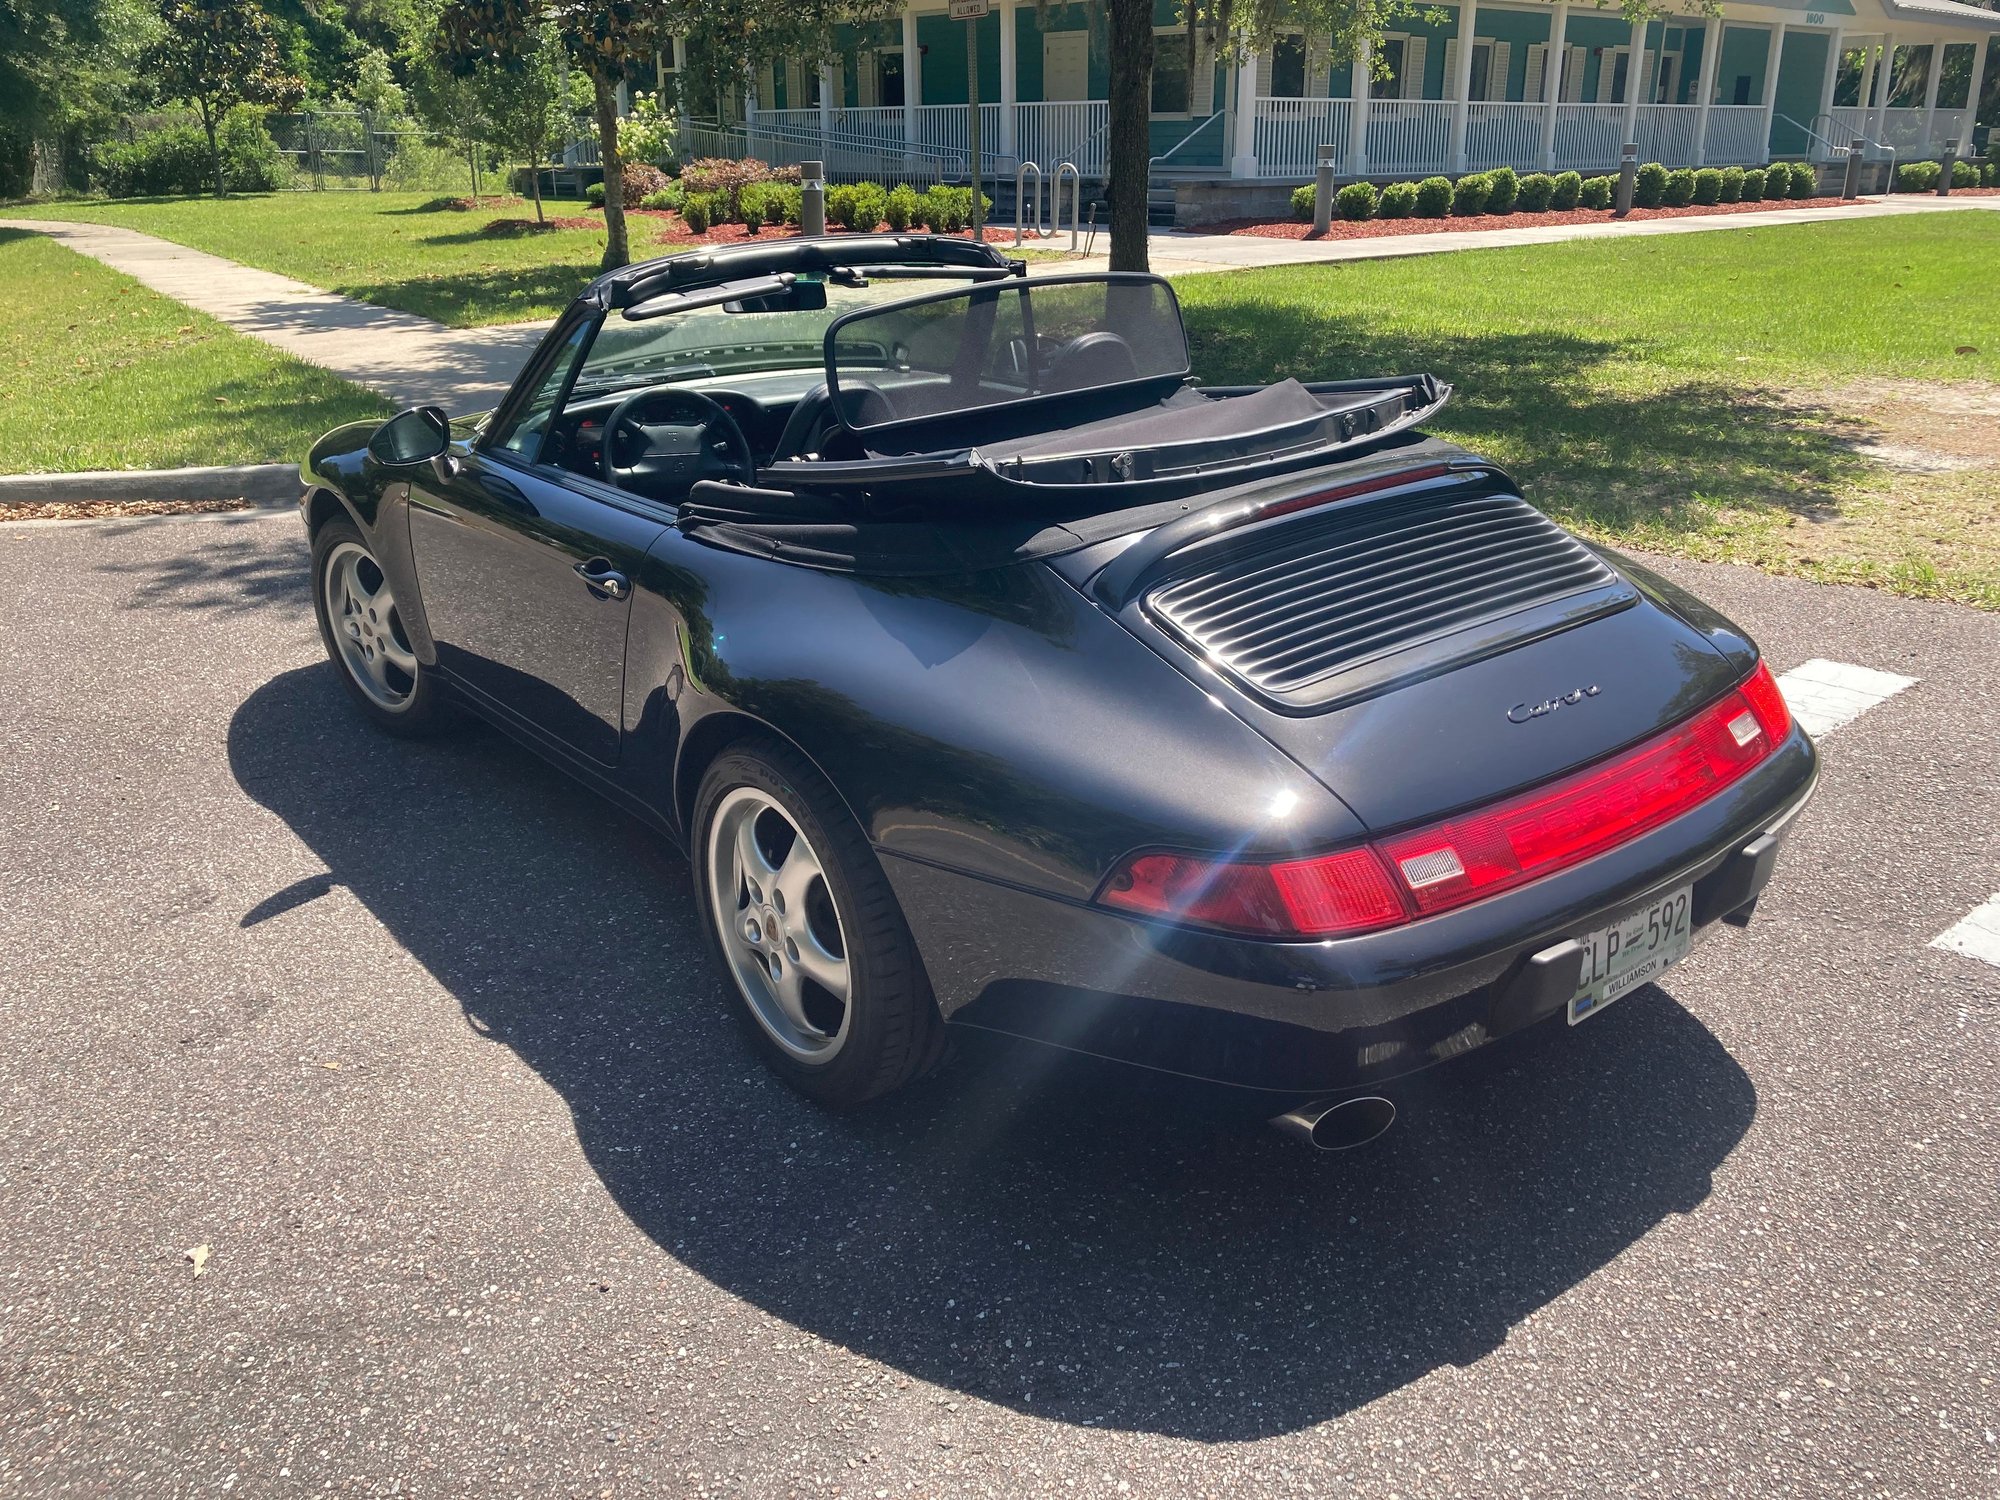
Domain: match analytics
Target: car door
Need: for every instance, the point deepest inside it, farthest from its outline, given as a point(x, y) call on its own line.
point(527, 581)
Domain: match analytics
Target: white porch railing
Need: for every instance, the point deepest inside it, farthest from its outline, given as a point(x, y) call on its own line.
point(1736, 136)
point(1408, 135)
point(943, 127)
point(1504, 135)
point(1588, 136)
point(1666, 133)
point(1070, 130)
point(1289, 133)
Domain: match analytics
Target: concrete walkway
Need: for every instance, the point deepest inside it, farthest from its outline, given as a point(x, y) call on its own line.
point(413, 360)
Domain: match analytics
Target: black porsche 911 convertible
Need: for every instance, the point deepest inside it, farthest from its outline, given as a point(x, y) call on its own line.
point(994, 673)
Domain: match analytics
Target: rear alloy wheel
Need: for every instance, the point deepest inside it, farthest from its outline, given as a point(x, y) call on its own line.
point(363, 630)
point(808, 930)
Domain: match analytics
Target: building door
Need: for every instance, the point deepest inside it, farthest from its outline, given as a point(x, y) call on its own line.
point(1065, 65)
point(889, 79)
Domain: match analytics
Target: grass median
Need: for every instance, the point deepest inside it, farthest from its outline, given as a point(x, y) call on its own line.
point(1821, 400)
point(101, 373)
point(391, 249)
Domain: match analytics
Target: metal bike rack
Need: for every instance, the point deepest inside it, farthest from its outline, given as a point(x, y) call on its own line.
point(1069, 170)
point(1024, 224)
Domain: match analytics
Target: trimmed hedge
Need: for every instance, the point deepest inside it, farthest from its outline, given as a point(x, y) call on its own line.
point(1964, 174)
point(1304, 201)
point(1569, 191)
point(901, 207)
point(697, 209)
point(1469, 195)
point(1708, 185)
point(1753, 184)
point(1918, 177)
point(1434, 197)
point(1597, 192)
point(1356, 201)
point(1538, 190)
point(1805, 181)
point(1651, 188)
point(1399, 201)
point(1732, 185)
point(1505, 190)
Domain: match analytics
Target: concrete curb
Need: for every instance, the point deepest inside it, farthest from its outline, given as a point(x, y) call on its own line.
point(261, 484)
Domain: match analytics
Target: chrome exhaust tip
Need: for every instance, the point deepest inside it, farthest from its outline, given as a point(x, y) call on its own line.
point(1338, 1124)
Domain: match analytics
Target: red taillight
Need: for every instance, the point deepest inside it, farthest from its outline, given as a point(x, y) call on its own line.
point(1330, 894)
point(1474, 855)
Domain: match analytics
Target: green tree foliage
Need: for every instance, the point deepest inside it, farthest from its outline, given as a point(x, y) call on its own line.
point(526, 104)
point(66, 68)
point(217, 54)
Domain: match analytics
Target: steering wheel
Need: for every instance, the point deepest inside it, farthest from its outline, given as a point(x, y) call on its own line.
point(672, 455)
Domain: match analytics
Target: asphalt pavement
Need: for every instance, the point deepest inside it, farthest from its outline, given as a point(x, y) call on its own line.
point(371, 1122)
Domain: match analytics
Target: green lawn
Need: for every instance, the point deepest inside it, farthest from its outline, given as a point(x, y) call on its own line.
point(380, 247)
point(1710, 395)
point(100, 373)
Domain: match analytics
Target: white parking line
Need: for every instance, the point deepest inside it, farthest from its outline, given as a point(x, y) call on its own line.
point(1823, 695)
point(1978, 934)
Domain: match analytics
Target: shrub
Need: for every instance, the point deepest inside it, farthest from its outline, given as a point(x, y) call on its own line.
point(696, 210)
point(1399, 201)
point(1304, 201)
point(1434, 197)
point(1469, 195)
point(1651, 186)
point(1753, 184)
point(594, 195)
point(174, 159)
point(1964, 174)
point(1731, 190)
point(1708, 185)
point(948, 210)
point(902, 207)
point(1989, 175)
point(1537, 191)
point(752, 214)
point(771, 202)
point(1805, 181)
point(1917, 176)
point(1356, 201)
point(1597, 192)
point(859, 206)
point(640, 182)
point(1679, 191)
point(1569, 191)
point(722, 179)
point(1505, 190)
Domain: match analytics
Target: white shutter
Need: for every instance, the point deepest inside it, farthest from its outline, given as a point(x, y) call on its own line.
point(1496, 74)
point(867, 75)
point(1531, 86)
point(1264, 74)
point(1413, 66)
point(1201, 79)
point(1572, 84)
point(1450, 89)
point(1319, 68)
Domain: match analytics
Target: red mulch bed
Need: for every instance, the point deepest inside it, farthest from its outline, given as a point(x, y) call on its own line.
point(1366, 229)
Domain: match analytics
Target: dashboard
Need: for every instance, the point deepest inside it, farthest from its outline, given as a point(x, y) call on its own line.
point(761, 403)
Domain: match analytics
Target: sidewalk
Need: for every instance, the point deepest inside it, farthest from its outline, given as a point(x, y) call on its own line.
point(411, 360)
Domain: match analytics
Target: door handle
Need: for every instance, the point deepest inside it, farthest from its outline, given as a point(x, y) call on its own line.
point(602, 579)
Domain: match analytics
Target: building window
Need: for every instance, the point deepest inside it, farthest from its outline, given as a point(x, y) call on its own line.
point(1288, 67)
point(1395, 54)
point(1172, 85)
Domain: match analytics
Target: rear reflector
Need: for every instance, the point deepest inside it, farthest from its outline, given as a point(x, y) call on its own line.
point(1477, 854)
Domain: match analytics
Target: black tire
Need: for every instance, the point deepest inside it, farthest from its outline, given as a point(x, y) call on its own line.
point(893, 1032)
point(423, 709)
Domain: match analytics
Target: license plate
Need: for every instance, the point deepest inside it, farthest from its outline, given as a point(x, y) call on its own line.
point(1619, 958)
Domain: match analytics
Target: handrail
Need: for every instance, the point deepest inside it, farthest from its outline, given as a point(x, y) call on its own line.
point(1155, 161)
point(1811, 134)
point(1889, 185)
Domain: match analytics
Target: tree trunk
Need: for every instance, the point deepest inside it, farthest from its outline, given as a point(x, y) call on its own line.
point(616, 251)
point(1128, 147)
point(214, 150)
point(535, 183)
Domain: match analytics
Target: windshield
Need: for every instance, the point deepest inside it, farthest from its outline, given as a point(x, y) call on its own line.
point(1003, 342)
point(716, 341)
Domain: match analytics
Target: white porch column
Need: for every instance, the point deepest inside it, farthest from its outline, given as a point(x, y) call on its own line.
point(1885, 75)
point(1772, 59)
point(1009, 65)
point(680, 81)
point(913, 76)
point(1931, 72)
point(828, 82)
point(1711, 46)
point(1461, 86)
point(1635, 81)
point(1834, 43)
point(1866, 102)
point(1360, 91)
point(1553, 63)
point(1243, 154)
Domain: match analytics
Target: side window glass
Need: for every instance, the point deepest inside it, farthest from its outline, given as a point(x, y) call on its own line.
point(531, 422)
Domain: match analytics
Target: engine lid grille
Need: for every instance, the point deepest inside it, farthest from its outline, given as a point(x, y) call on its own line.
point(1329, 606)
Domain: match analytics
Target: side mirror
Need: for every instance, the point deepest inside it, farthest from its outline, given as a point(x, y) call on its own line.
point(415, 436)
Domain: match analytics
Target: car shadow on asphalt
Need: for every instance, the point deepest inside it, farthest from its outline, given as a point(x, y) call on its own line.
point(1074, 1242)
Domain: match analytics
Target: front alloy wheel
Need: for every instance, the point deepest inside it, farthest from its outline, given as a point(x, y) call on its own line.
point(363, 629)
